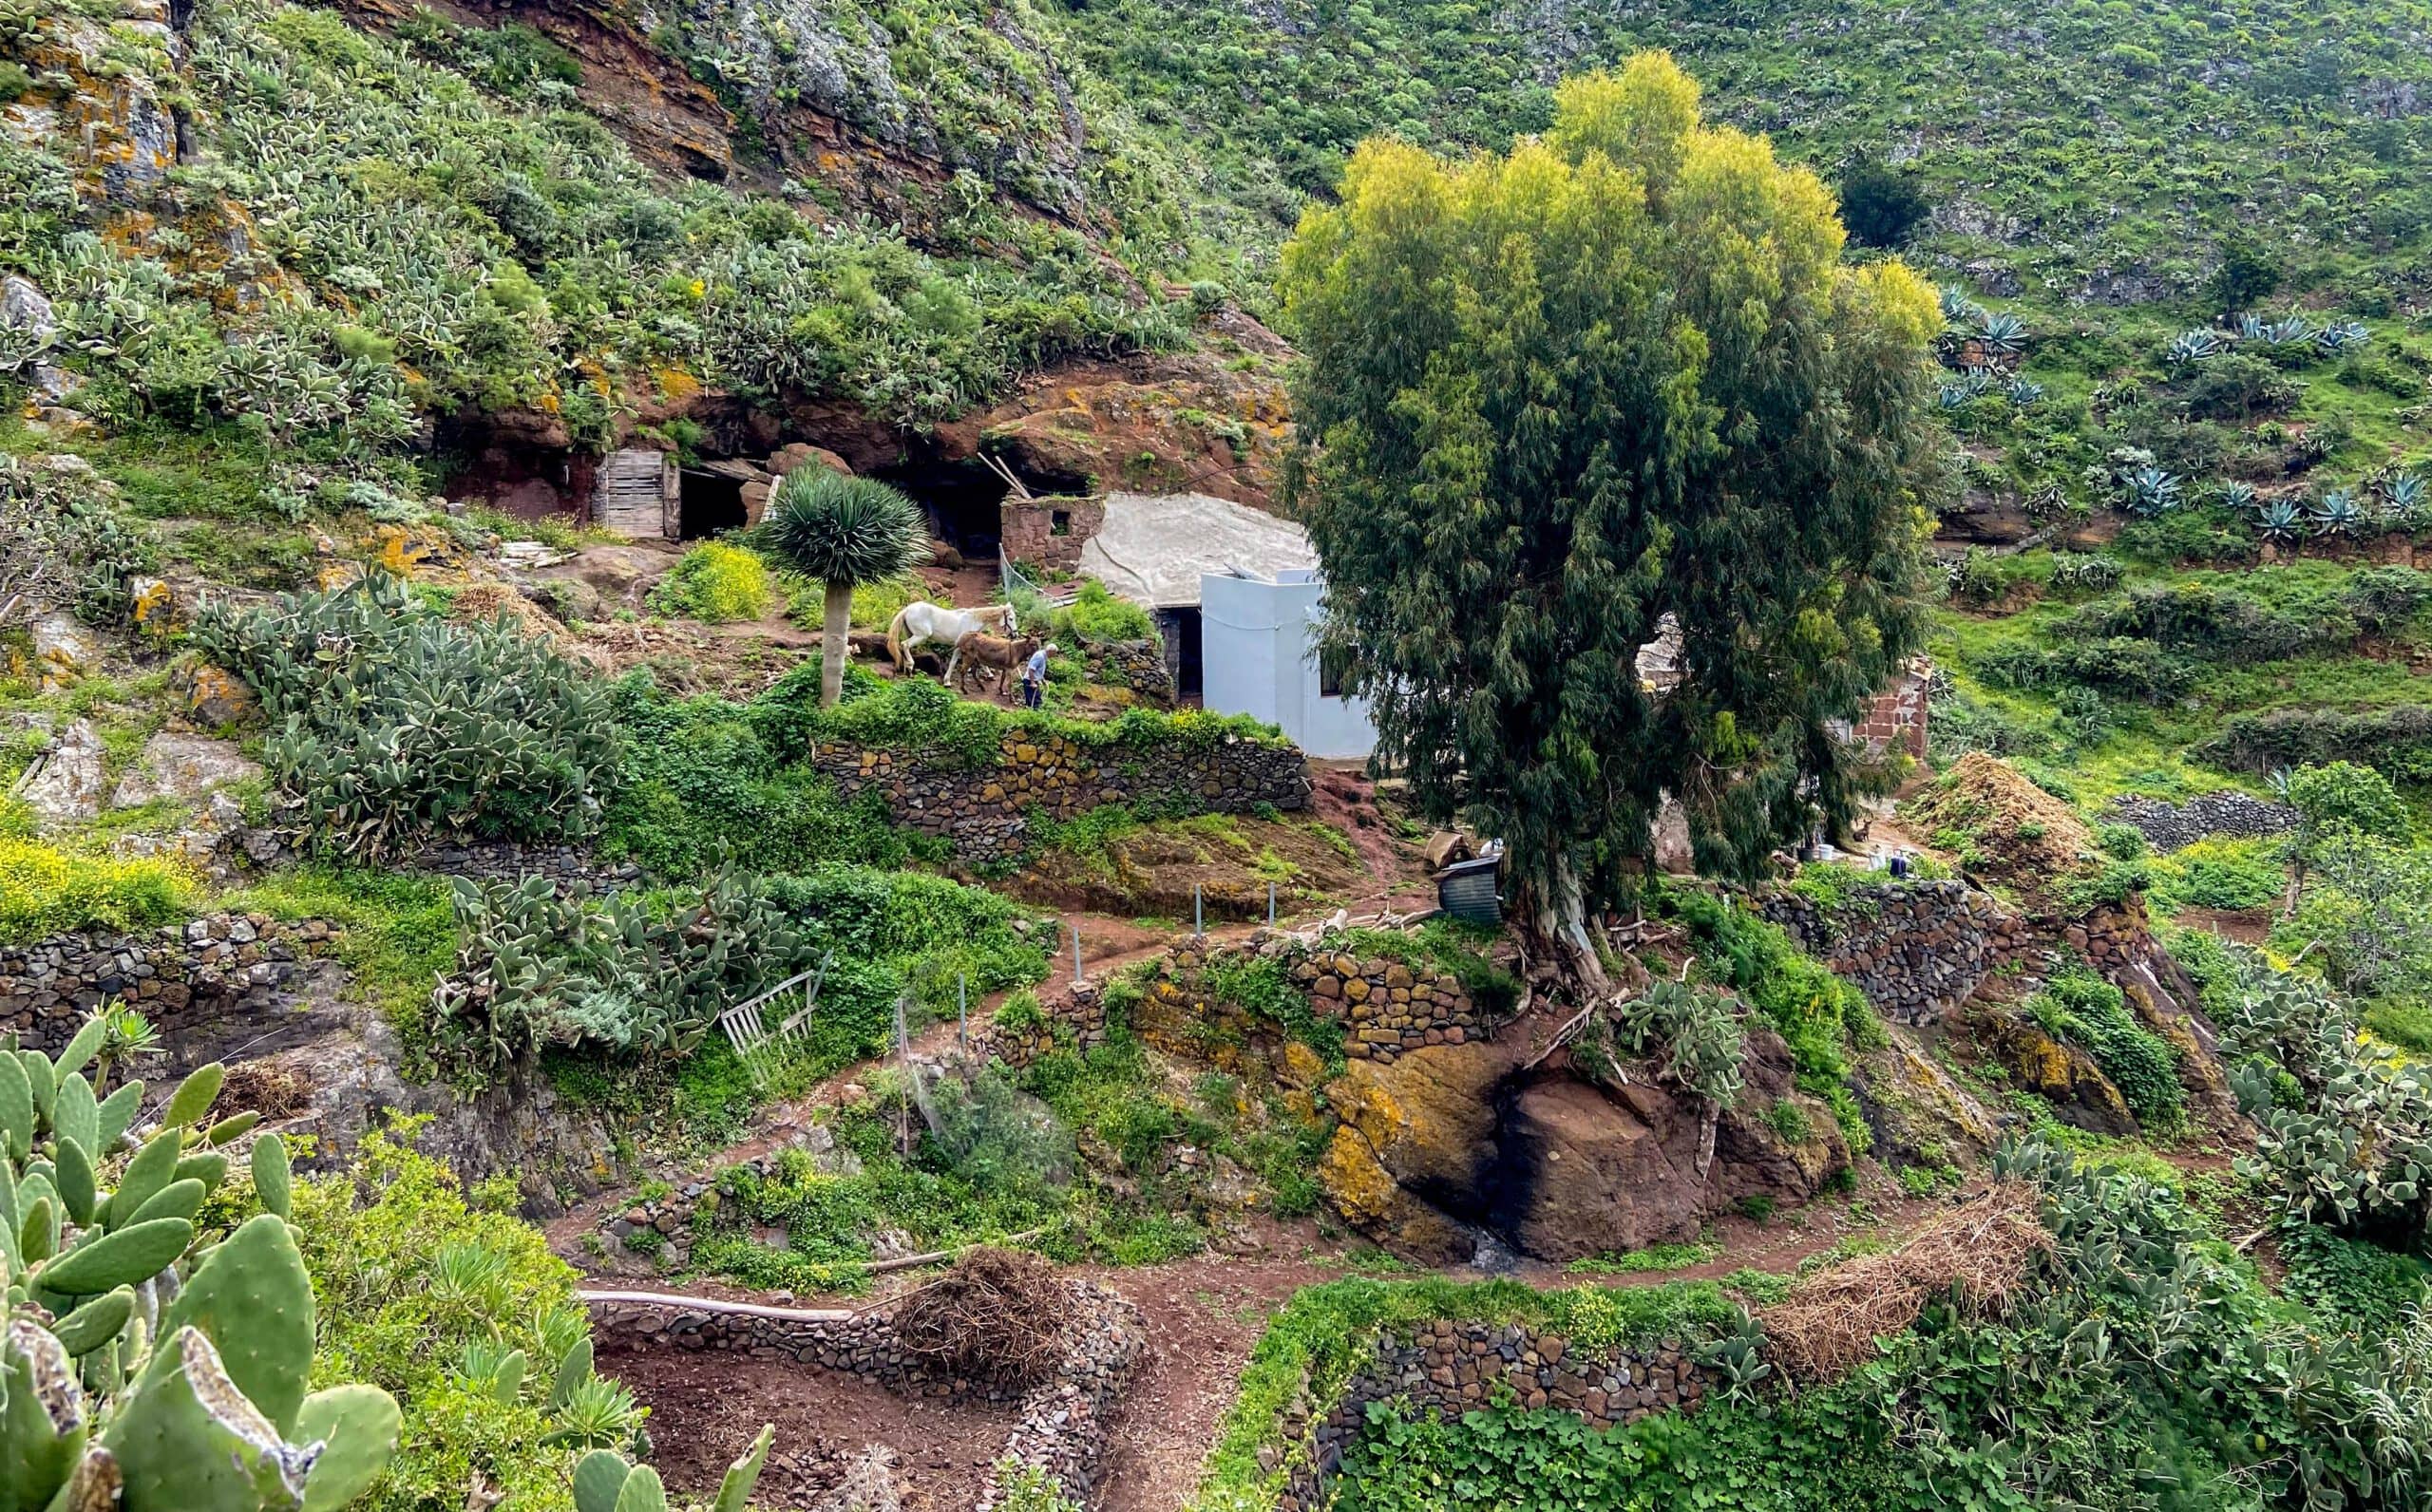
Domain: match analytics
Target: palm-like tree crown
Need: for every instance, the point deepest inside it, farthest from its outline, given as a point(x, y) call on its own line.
point(844, 530)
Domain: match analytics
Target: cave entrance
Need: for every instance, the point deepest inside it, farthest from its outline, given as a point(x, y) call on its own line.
point(710, 505)
point(1185, 658)
point(964, 501)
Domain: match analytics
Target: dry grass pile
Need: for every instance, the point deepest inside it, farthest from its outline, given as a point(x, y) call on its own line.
point(2022, 836)
point(1980, 1250)
point(997, 1316)
point(273, 1091)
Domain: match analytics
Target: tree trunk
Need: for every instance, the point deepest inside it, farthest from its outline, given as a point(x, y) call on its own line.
point(833, 647)
point(1555, 922)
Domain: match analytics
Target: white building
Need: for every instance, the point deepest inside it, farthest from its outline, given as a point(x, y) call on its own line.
point(1259, 636)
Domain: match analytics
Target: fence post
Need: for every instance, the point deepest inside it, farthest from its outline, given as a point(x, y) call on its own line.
point(1076, 954)
point(1198, 914)
point(963, 1011)
point(1270, 905)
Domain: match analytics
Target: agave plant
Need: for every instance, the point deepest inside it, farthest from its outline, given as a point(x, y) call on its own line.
point(2279, 780)
point(2150, 491)
point(2193, 347)
point(2342, 337)
point(1972, 384)
point(2402, 499)
point(2250, 328)
point(2235, 497)
point(2288, 332)
point(2002, 333)
point(2339, 514)
point(2280, 521)
point(1960, 310)
point(2025, 392)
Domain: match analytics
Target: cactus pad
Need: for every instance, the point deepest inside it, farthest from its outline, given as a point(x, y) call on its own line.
point(252, 1297)
point(357, 1426)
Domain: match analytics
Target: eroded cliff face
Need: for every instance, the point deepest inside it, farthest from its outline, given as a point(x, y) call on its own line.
point(819, 101)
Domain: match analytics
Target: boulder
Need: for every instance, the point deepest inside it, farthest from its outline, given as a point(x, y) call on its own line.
point(26, 309)
point(799, 454)
point(185, 768)
point(1417, 1136)
point(64, 785)
point(64, 651)
point(211, 696)
point(1587, 1170)
point(1918, 1111)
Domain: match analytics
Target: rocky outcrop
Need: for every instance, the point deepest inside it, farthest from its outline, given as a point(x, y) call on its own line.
point(2060, 1073)
point(1450, 1140)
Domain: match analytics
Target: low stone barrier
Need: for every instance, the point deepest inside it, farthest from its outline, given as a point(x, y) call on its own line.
point(178, 976)
point(1446, 1369)
point(2227, 814)
point(1062, 1426)
point(503, 861)
point(983, 810)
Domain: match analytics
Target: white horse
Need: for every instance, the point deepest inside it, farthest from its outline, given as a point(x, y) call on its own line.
point(921, 621)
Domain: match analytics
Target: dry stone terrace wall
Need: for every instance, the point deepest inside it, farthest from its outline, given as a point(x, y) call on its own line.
point(1916, 950)
point(512, 861)
point(2168, 826)
point(983, 810)
point(179, 977)
point(1445, 1370)
point(1063, 1422)
point(1386, 1008)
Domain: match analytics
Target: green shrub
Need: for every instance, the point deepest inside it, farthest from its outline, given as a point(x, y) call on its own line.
point(2342, 794)
point(47, 891)
point(715, 582)
point(412, 1284)
point(2229, 874)
point(389, 723)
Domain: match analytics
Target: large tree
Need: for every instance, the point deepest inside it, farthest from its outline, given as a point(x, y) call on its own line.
point(1547, 399)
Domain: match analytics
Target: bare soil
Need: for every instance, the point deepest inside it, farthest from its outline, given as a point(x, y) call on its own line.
point(1153, 871)
point(706, 1407)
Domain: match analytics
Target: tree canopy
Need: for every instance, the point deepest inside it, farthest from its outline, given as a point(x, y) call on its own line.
point(1551, 397)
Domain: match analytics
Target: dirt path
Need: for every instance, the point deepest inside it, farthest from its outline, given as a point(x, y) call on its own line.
point(705, 1409)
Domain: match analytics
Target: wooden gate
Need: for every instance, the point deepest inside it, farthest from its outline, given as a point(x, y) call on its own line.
point(637, 494)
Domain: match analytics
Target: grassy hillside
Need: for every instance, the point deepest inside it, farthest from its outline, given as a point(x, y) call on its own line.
point(2062, 142)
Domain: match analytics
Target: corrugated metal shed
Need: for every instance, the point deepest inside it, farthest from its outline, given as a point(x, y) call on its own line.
point(1153, 548)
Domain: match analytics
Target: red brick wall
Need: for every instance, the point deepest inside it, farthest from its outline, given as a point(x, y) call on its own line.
point(1896, 717)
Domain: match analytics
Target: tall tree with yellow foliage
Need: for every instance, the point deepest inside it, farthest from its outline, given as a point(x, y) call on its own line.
point(1547, 399)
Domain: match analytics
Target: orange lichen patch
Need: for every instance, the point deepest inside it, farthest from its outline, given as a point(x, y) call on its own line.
point(674, 384)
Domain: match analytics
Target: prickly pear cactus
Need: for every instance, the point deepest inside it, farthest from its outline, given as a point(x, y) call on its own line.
point(148, 1364)
point(605, 1483)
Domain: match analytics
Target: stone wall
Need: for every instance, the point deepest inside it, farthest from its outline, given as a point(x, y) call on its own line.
point(512, 861)
point(1385, 1006)
point(983, 810)
point(2168, 826)
point(1136, 666)
point(1050, 532)
point(1916, 948)
point(183, 977)
point(1062, 1427)
point(1444, 1370)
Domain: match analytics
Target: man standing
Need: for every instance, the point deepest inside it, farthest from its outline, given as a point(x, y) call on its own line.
point(1034, 677)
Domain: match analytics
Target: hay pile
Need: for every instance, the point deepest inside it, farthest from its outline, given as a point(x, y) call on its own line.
point(997, 1316)
point(2023, 837)
point(1981, 1250)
